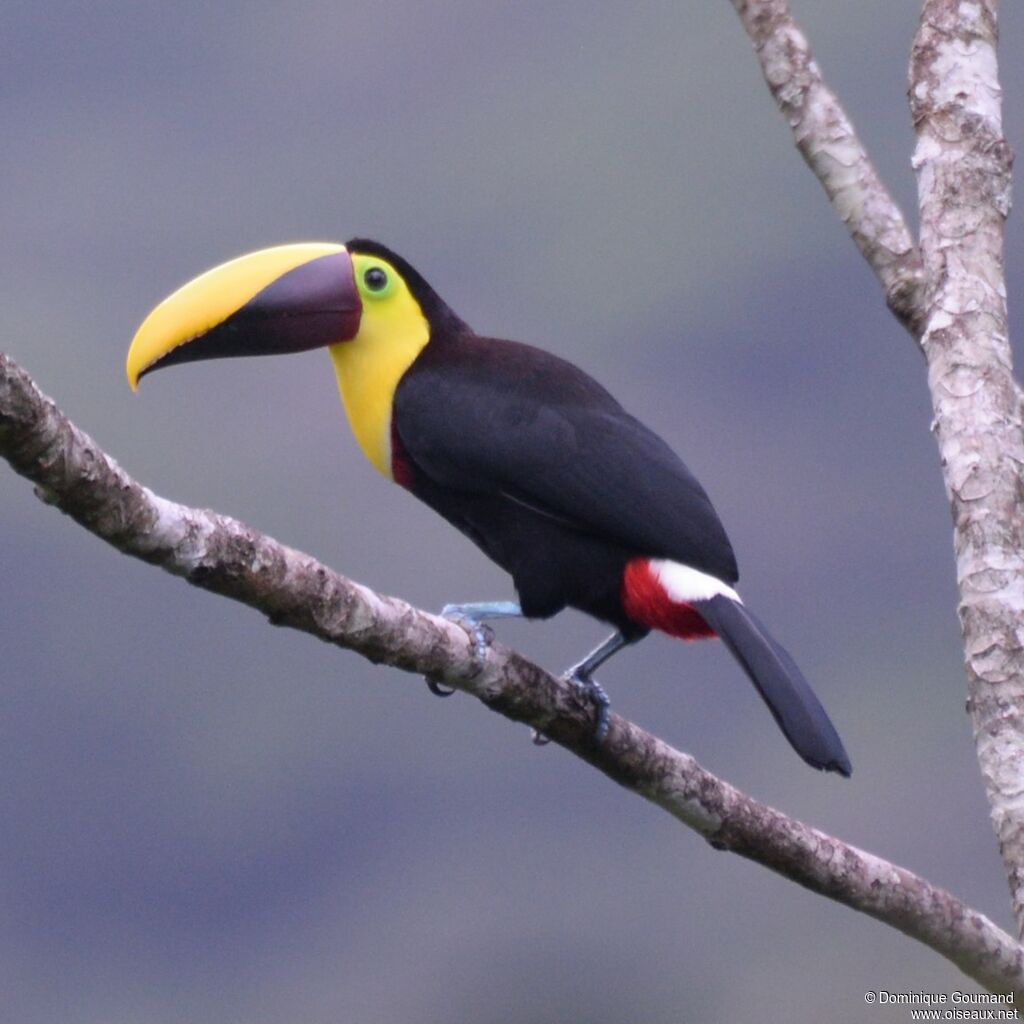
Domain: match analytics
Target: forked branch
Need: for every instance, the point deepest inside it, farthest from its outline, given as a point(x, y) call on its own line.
point(950, 293)
point(827, 140)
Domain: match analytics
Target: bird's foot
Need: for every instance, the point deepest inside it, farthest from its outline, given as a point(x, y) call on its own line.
point(582, 674)
point(482, 635)
point(595, 691)
point(473, 616)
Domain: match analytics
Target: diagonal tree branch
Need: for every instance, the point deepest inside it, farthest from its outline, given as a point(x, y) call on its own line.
point(827, 141)
point(292, 589)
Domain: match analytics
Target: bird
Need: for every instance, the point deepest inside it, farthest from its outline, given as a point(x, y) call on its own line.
point(520, 450)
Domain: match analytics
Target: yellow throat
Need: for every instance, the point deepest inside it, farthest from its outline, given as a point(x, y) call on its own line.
point(392, 333)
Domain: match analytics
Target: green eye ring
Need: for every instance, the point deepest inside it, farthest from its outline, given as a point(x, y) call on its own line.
point(377, 282)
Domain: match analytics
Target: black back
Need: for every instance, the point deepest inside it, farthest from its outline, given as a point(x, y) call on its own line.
point(489, 417)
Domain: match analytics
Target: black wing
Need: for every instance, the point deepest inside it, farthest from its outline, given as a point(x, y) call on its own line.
point(497, 417)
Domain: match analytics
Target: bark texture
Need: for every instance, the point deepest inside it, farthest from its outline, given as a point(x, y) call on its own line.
point(963, 167)
point(220, 554)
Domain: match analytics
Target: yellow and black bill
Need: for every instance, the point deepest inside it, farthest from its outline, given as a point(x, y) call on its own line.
point(290, 298)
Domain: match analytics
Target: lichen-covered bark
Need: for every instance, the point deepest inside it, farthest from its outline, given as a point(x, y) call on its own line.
point(963, 166)
point(829, 144)
point(292, 589)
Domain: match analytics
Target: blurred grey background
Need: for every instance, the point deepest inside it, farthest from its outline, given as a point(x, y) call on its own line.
point(209, 820)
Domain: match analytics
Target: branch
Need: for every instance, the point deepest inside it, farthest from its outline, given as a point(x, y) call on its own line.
point(829, 144)
point(292, 589)
point(963, 167)
point(952, 297)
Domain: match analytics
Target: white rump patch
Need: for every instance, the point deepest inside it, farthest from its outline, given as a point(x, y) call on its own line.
point(684, 584)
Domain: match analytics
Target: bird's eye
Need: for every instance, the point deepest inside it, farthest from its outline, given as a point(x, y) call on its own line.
point(375, 279)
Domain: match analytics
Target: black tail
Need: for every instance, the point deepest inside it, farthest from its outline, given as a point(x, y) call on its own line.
point(788, 695)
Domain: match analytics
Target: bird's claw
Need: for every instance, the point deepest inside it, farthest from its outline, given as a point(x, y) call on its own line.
point(470, 617)
point(482, 634)
point(595, 691)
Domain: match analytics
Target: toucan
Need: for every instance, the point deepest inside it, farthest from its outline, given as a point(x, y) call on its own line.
point(521, 451)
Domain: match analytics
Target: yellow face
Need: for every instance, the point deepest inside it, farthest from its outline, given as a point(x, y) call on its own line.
point(392, 333)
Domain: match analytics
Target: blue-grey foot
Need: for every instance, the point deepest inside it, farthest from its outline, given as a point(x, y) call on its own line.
point(595, 691)
point(472, 616)
point(476, 613)
point(582, 676)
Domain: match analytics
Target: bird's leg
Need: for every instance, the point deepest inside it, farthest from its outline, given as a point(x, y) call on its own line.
point(472, 616)
point(582, 675)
